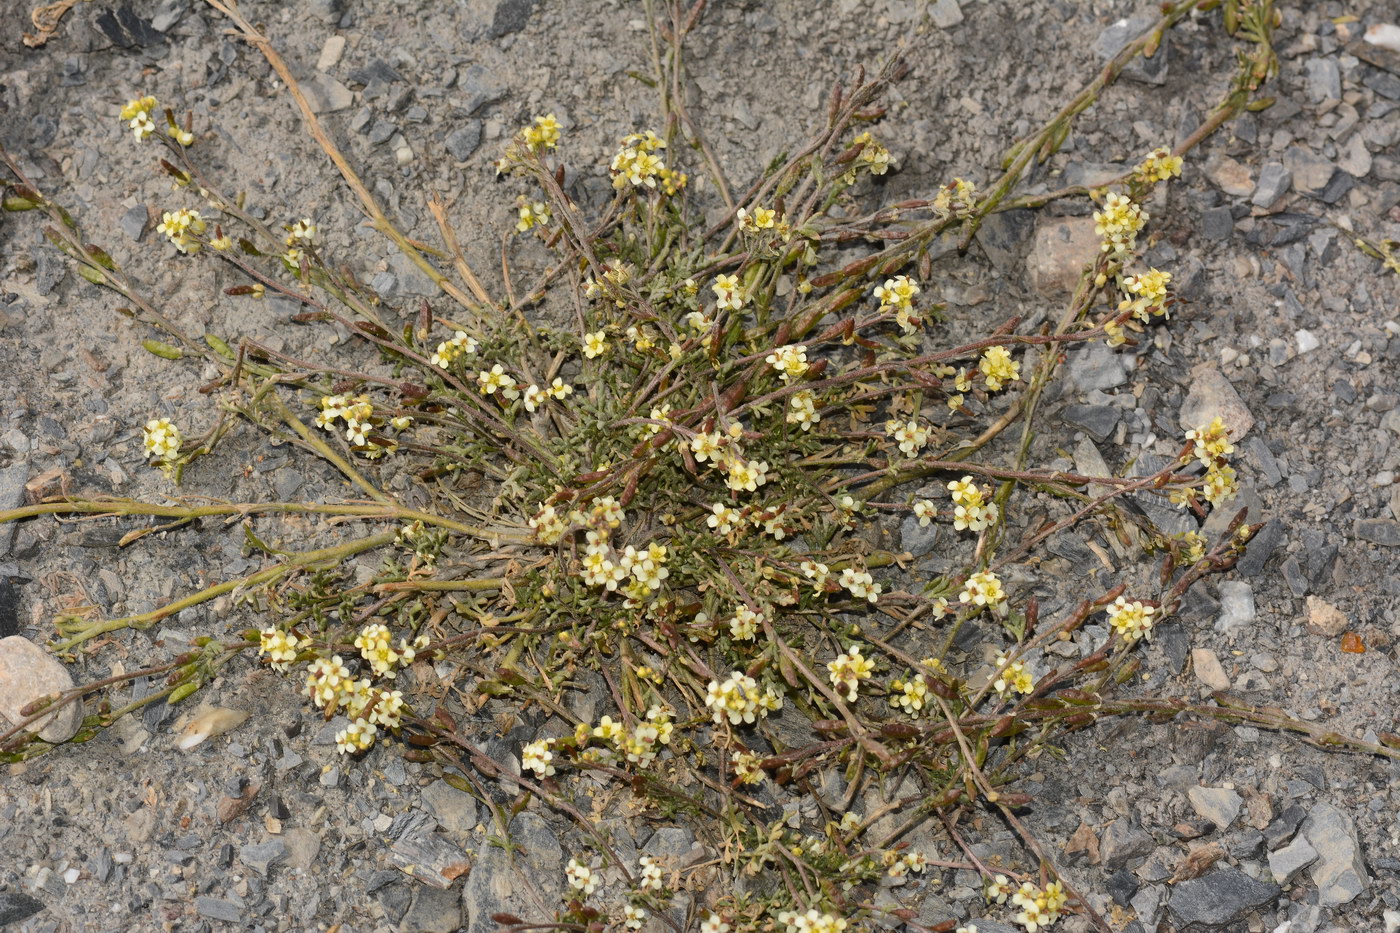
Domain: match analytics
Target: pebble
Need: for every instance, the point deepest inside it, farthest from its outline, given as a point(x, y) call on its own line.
point(1098, 421)
point(1261, 548)
point(1339, 872)
point(1311, 172)
point(1231, 177)
point(1122, 842)
point(1060, 249)
point(464, 140)
point(1145, 70)
point(915, 538)
point(1307, 341)
point(434, 911)
point(1285, 863)
point(1217, 223)
point(1208, 670)
point(1325, 618)
point(1383, 401)
point(15, 907)
point(215, 908)
point(134, 221)
point(454, 810)
point(325, 94)
point(945, 13)
point(262, 856)
point(1324, 79)
point(1219, 898)
point(510, 17)
point(28, 672)
point(1382, 531)
point(1273, 184)
point(1096, 366)
point(1212, 395)
point(331, 51)
point(1220, 805)
point(1236, 607)
point(1355, 158)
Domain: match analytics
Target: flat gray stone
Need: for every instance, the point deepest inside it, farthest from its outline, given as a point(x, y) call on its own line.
point(28, 673)
point(1311, 172)
point(1096, 366)
point(1220, 805)
point(1339, 872)
point(214, 908)
point(1382, 531)
point(434, 911)
point(325, 94)
point(464, 140)
point(454, 810)
point(1324, 79)
point(1098, 421)
point(1220, 897)
point(1285, 863)
point(1274, 181)
point(945, 13)
point(1211, 394)
point(260, 857)
point(1122, 842)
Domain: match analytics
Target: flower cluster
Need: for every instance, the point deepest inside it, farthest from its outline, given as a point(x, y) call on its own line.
point(183, 227)
point(860, 584)
point(537, 757)
point(910, 695)
point(542, 134)
point(162, 441)
point(1149, 294)
point(1119, 223)
point(280, 647)
point(532, 214)
point(449, 351)
point(898, 865)
point(1211, 447)
point(739, 700)
point(871, 154)
point(1040, 907)
point(728, 295)
point(331, 686)
point(897, 295)
point(971, 510)
point(958, 198)
point(1159, 165)
point(638, 165)
point(911, 436)
point(650, 874)
point(1012, 676)
point(998, 368)
point(535, 396)
point(802, 410)
point(137, 115)
point(581, 877)
point(1131, 620)
point(374, 644)
point(812, 921)
point(790, 361)
point(637, 573)
point(848, 670)
point(357, 412)
point(983, 589)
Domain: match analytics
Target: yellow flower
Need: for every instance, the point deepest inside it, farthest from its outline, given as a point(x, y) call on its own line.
point(998, 367)
point(1119, 222)
point(1159, 165)
point(728, 295)
point(1131, 620)
point(543, 134)
point(533, 213)
point(162, 439)
point(595, 344)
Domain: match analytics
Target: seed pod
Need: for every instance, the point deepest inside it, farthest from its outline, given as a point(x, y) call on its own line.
point(182, 691)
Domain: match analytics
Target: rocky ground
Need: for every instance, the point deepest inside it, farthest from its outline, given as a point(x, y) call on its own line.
point(1288, 330)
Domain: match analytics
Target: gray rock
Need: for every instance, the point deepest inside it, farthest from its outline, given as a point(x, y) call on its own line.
point(214, 908)
point(452, 808)
point(1098, 421)
point(1261, 548)
point(12, 480)
point(1285, 863)
point(1355, 158)
point(1122, 842)
point(381, 131)
point(1273, 183)
point(673, 841)
point(1060, 250)
point(1324, 79)
point(496, 884)
point(915, 538)
point(1311, 172)
point(945, 13)
point(1220, 805)
point(262, 856)
point(1236, 607)
point(1211, 394)
point(1218, 898)
point(325, 94)
point(15, 907)
point(464, 140)
point(1217, 223)
point(1382, 531)
point(28, 673)
point(1339, 872)
point(133, 222)
point(1096, 366)
point(1147, 904)
point(510, 17)
point(1092, 174)
point(434, 911)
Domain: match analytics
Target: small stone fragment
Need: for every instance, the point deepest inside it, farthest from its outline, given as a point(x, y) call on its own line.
point(1324, 79)
point(28, 673)
point(1307, 341)
point(1219, 898)
point(1122, 842)
point(1208, 669)
point(1220, 805)
point(1060, 249)
point(1217, 223)
point(1098, 421)
point(1339, 872)
point(207, 722)
point(325, 94)
point(430, 858)
point(331, 51)
point(1212, 395)
point(262, 856)
point(1325, 618)
point(216, 909)
point(511, 16)
point(1286, 862)
point(1231, 177)
point(1236, 607)
point(945, 13)
point(1274, 180)
point(1382, 531)
point(15, 907)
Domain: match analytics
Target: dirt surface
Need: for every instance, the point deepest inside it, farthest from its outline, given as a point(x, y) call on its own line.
point(1286, 324)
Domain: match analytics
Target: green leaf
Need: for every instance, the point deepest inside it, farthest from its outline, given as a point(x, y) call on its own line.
point(162, 350)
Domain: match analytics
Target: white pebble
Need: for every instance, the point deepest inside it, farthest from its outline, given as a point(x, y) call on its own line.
point(1385, 36)
point(1306, 341)
point(403, 155)
point(71, 875)
point(330, 53)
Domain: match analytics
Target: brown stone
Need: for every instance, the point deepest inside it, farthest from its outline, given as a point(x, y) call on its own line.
point(29, 673)
point(1325, 618)
point(1061, 249)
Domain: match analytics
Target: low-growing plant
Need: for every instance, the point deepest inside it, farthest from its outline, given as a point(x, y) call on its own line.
point(666, 471)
